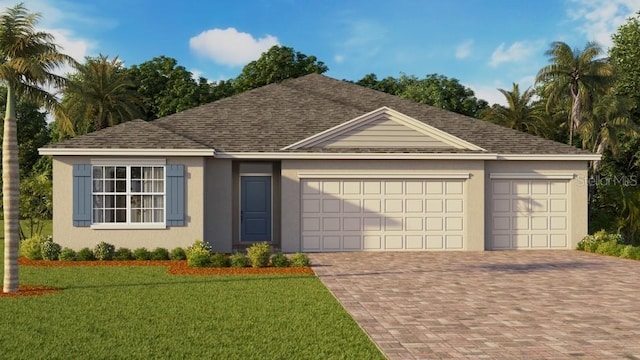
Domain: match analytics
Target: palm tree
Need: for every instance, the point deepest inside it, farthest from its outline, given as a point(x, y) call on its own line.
point(27, 59)
point(101, 94)
point(579, 74)
point(519, 114)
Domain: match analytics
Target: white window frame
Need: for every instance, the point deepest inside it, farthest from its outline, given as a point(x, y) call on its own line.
point(128, 163)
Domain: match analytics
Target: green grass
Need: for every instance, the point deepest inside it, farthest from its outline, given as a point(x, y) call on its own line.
point(144, 313)
point(47, 228)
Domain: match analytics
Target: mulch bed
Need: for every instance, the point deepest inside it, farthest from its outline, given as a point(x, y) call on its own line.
point(173, 267)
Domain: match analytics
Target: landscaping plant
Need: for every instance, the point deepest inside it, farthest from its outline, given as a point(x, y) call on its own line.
point(160, 254)
point(141, 254)
point(178, 254)
point(259, 254)
point(50, 250)
point(123, 253)
point(67, 254)
point(104, 251)
point(239, 260)
point(85, 254)
point(219, 260)
point(280, 260)
point(300, 260)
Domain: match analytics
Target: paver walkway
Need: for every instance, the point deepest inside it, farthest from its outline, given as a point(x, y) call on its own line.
point(494, 305)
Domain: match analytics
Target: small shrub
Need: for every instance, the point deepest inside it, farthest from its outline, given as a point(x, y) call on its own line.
point(198, 247)
point(630, 252)
point(219, 260)
point(611, 248)
point(123, 253)
point(590, 243)
point(104, 251)
point(259, 254)
point(31, 248)
point(280, 260)
point(300, 260)
point(178, 254)
point(199, 259)
point(50, 250)
point(160, 254)
point(67, 254)
point(141, 254)
point(85, 254)
point(239, 260)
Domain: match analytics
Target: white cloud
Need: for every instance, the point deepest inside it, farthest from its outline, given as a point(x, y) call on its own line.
point(338, 58)
point(230, 47)
point(489, 93)
point(518, 51)
point(464, 50)
point(363, 41)
point(600, 19)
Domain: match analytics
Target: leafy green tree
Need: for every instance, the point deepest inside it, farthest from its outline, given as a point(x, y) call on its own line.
point(27, 58)
point(389, 85)
point(100, 94)
point(36, 204)
point(625, 56)
point(167, 88)
point(519, 114)
point(581, 75)
point(276, 65)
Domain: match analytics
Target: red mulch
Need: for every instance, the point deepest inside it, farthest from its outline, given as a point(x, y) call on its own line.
point(174, 268)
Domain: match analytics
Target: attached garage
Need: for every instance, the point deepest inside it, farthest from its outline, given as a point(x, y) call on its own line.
point(529, 212)
point(383, 214)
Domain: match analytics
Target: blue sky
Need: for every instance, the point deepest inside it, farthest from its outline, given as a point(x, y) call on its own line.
point(485, 44)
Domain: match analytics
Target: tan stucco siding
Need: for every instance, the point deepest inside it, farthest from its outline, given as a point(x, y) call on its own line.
point(578, 190)
point(218, 204)
point(474, 190)
point(79, 237)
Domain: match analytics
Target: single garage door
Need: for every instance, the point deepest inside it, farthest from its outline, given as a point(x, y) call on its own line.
point(382, 214)
point(530, 214)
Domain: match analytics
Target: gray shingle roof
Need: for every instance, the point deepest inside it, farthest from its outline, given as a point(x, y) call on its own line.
point(274, 116)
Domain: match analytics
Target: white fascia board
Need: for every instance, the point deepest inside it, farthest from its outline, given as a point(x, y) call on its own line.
point(393, 115)
point(562, 157)
point(355, 156)
point(380, 175)
point(533, 176)
point(126, 152)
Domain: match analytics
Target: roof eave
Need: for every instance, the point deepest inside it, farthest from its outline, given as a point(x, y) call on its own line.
point(124, 152)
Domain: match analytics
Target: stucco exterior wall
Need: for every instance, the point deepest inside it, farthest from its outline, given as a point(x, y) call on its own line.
point(67, 235)
point(578, 190)
point(474, 190)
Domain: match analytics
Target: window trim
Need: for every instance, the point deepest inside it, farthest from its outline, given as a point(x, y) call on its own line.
point(129, 163)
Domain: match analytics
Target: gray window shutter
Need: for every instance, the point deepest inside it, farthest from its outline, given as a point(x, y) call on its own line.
point(81, 195)
point(175, 195)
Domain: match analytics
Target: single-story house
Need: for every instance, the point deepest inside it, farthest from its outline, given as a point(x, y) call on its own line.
point(317, 164)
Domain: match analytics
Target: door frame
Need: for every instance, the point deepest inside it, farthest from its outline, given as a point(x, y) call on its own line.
point(239, 213)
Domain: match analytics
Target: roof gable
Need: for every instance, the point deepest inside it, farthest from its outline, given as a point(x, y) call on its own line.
point(383, 128)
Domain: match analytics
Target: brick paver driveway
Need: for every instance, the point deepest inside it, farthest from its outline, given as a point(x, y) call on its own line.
point(505, 305)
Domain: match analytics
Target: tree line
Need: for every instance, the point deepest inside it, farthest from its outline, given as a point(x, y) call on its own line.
point(583, 97)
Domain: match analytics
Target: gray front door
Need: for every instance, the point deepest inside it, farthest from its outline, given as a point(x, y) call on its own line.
point(255, 208)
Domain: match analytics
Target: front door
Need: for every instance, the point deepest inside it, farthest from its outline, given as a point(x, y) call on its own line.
point(255, 208)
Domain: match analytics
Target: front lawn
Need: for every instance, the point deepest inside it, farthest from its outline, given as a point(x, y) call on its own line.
point(143, 312)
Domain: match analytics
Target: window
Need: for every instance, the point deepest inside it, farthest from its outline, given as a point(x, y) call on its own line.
point(128, 194)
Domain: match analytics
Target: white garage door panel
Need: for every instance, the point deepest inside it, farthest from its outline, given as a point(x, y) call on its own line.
point(382, 214)
point(529, 214)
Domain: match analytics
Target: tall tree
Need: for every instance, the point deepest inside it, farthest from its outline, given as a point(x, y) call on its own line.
point(100, 94)
point(580, 74)
point(167, 88)
point(519, 114)
point(625, 56)
point(275, 65)
point(27, 59)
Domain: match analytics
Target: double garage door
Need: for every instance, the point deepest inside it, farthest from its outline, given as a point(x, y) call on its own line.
point(530, 214)
point(382, 214)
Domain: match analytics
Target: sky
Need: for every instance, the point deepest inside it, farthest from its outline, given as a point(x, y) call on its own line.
point(485, 44)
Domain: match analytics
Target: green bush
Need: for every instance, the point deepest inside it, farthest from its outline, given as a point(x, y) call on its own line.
point(50, 250)
point(630, 252)
point(31, 248)
point(259, 254)
point(239, 260)
point(219, 260)
point(198, 247)
point(199, 259)
point(67, 254)
point(178, 254)
point(104, 251)
point(611, 248)
point(85, 254)
point(590, 243)
point(300, 260)
point(160, 254)
point(141, 254)
point(123, 253)
point(280, 260)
